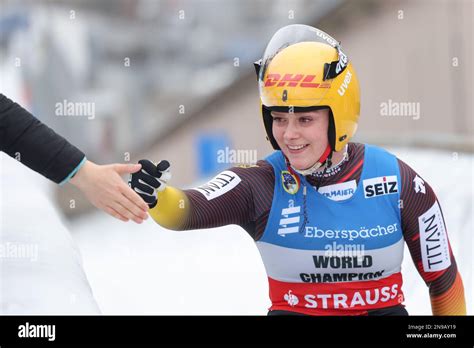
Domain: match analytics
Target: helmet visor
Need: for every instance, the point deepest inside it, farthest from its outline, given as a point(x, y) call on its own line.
point(303, 73)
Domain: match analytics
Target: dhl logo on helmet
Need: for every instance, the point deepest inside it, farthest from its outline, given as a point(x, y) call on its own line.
point(292, 80)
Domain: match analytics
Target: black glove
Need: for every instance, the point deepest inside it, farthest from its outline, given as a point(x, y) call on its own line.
point(150, 179)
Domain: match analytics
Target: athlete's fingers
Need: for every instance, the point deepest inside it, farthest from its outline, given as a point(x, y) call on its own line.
point(163, 165)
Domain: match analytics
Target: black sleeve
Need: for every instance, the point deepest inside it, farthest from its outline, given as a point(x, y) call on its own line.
point(37, 146)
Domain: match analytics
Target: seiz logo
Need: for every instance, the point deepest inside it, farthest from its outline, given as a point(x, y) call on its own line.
point(293, 80)
point(382, 185)
point(289, 223)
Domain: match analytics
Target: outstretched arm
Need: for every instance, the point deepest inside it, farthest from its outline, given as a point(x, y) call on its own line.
point(37, 146)
point(228, 198)
point(31, 142)
point(427, 239)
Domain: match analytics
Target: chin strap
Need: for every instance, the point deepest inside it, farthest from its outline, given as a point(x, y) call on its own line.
point(325, 158)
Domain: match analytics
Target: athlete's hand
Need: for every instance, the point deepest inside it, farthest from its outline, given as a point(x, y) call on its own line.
point(149, 179)
point(105, 189)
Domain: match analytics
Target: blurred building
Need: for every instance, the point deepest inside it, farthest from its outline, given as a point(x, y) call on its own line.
point(397, 60)
point(174, 79)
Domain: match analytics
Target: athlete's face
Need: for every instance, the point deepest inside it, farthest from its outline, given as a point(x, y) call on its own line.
point(302, 136)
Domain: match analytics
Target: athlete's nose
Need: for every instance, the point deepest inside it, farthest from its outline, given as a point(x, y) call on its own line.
point(291, 131)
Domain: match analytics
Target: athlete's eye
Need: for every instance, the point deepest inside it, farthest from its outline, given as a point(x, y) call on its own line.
point(279, 120)
point(305, 119)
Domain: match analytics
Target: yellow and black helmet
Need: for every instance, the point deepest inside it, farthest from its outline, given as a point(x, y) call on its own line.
point(304, 69)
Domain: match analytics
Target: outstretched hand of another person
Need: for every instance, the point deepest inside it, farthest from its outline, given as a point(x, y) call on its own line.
point(105, 189)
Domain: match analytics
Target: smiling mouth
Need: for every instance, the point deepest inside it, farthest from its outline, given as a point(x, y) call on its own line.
point(296, 148)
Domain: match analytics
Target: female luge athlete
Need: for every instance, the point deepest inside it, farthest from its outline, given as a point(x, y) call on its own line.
point(329, 216)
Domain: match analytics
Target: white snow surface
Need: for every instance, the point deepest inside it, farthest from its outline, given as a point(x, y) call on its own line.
point(40, 265)
point(145, 269)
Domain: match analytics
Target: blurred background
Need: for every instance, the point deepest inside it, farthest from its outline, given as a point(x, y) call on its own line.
point(162, 79)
